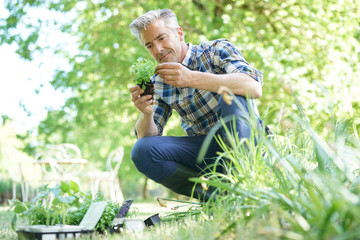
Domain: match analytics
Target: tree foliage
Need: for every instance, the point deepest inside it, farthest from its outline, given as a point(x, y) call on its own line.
point(303, 47)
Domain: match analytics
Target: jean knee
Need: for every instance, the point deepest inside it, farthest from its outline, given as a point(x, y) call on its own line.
point(140, 153)
point(148, 162)
point(224, 109)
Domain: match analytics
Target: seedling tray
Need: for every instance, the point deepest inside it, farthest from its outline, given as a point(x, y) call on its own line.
point(43, 232)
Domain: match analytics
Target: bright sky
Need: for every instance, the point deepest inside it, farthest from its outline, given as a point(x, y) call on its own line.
point(20, 80)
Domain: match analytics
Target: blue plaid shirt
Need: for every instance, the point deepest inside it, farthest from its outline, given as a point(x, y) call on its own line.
point(197, 108)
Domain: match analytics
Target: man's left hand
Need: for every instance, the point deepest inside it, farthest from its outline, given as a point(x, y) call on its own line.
point(174, 74)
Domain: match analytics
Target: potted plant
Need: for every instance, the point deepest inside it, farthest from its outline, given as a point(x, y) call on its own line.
point(143, 70)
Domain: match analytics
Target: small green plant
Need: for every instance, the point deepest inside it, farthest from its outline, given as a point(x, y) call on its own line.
point(51, 206)
point(62, 204)
point(143, 70)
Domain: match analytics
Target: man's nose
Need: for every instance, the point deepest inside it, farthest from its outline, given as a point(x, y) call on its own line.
point(158, 48)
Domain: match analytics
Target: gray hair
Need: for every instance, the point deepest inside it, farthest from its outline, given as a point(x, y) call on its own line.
point(141, 23)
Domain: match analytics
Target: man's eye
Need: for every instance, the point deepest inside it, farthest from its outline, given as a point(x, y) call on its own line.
point(162, 38)
point(148, 47)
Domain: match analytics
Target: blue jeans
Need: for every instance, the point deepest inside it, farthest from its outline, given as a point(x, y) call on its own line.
point(157, 157)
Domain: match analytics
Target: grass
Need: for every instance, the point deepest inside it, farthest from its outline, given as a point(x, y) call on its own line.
point(5, 224)
point(181, 229)
point(300, 186)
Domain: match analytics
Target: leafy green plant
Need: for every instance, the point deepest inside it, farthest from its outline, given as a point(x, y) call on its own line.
point(143, 70)
point(107, 217)
point(51, 206)
point(62, 204)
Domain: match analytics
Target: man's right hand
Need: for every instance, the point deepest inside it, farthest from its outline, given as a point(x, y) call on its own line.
point(143, 103)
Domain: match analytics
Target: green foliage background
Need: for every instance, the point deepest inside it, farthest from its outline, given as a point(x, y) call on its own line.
point(308, 47)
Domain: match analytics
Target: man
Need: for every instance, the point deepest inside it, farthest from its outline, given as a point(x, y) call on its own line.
point(187, 80)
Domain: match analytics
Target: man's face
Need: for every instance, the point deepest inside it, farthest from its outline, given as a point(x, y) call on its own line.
point(164, 44)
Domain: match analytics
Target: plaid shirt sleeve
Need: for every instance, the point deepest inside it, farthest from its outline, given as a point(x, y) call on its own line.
point(162, 113)
point(230, 59)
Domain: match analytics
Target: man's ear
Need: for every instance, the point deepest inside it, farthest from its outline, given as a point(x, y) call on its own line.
point(181, 33)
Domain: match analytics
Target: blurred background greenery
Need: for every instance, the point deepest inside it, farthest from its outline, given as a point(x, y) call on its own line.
point(310, 48)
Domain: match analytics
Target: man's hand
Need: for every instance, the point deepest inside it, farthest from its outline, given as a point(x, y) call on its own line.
point(174, 74)
point(144, 103)
point(177, 75)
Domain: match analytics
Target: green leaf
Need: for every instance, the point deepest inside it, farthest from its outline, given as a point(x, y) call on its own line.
point(74, 187)
point(65, 187)
point(56, 190)
point(13, 222)
point(41, 195)
point(68, 199)
point(14, 202)
point(20, 208)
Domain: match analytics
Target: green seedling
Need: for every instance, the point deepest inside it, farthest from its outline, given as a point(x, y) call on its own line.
point(143, 70)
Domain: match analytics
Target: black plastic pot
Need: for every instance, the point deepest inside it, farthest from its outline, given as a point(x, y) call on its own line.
point(151, 221)
point(149, 88)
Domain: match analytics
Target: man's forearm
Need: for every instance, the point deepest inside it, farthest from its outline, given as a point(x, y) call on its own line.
point(145, 126)
point(239, 83)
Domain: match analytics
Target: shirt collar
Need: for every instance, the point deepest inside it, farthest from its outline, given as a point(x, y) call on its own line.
point(189, 55)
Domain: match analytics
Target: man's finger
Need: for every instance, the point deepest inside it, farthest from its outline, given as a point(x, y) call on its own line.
point(142, 99)
point(135, 93)
point(166, 65)
point(164, 72)
point(134, 88)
